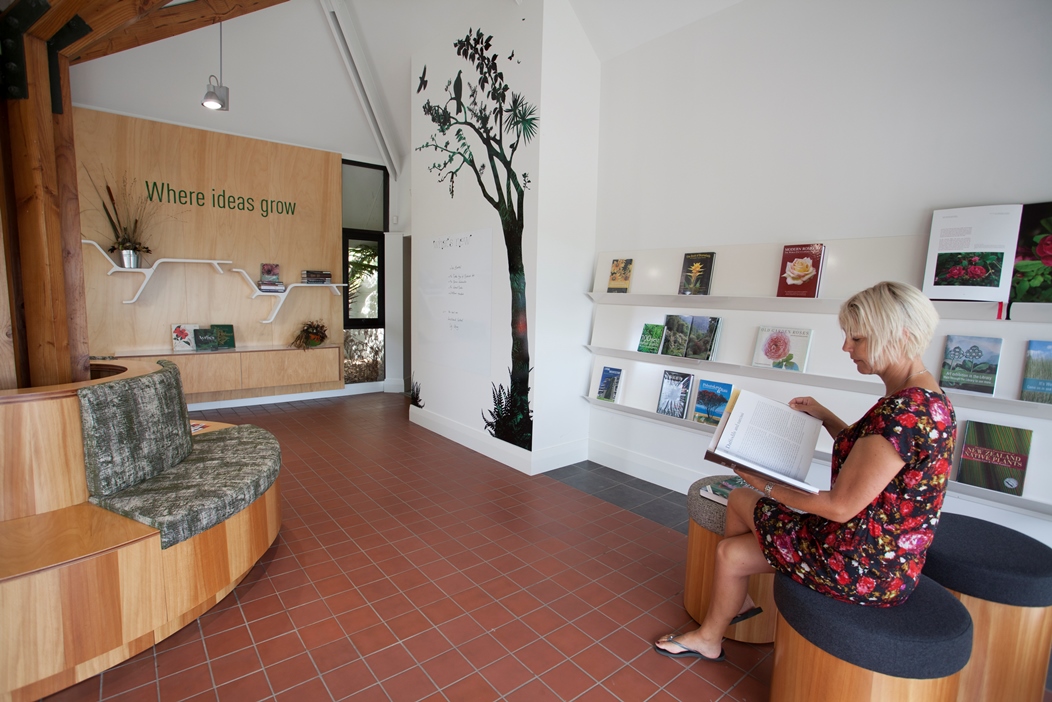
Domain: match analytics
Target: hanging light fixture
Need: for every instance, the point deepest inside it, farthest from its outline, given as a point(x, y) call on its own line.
point(217, 95)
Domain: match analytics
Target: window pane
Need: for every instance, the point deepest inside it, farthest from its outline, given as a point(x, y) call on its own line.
point(363, 298)
point(363, 198)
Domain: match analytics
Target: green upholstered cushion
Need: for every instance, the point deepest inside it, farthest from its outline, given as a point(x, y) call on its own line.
point(226, 471)
point(133, 429)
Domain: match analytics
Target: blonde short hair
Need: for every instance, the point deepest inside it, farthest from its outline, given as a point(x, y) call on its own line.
point(896, 319)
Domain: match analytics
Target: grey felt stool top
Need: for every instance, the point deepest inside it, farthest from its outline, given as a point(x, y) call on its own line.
point(706, 513)
point(928, 636)
point(991, 562)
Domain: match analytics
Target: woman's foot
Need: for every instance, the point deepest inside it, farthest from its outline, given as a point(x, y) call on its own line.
point(689, 645)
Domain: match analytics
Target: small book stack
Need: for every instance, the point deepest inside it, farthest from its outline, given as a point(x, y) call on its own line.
point(722, 490)
point(270, 278)
point(316, 277)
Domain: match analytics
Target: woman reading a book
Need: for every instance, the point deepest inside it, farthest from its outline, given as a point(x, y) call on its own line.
point(865, 539)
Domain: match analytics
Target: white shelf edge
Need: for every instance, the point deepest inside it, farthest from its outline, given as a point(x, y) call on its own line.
point(256, 292)
point(148, 272)
point(1032, 312)
point(948, 309)
point(1013, 502)
point(1001, 404)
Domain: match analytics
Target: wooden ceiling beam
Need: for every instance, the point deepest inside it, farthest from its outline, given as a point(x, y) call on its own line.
point(161, 24)
point(108, 17)
point(61, 12)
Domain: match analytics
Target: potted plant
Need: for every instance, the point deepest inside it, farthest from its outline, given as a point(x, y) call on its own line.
point(312, 333)
point(129, 217)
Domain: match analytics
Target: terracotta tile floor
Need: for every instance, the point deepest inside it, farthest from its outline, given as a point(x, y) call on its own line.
point(410, 568)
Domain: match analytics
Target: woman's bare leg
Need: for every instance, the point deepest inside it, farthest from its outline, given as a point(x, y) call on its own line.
point(738, 556)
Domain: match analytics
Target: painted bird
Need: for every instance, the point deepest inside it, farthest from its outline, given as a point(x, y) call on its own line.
point(423, 80)
point(458, 93)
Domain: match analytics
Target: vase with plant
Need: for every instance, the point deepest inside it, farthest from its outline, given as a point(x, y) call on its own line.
point(312, 333)
point(129, 217)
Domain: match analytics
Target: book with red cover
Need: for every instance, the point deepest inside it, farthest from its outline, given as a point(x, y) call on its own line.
point(801, 270)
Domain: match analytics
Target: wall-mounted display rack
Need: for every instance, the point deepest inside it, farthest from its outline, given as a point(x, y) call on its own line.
point(148, 272)
point(256, 292)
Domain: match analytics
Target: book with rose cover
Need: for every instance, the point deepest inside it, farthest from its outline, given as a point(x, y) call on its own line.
point(782, 348)
point(970, 253)
point(1032, 280)
point(766, 437)
point(696, 275)
point(994, 457)
point(801, 271)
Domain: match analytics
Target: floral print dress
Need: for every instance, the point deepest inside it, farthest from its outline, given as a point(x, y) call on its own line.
point(876, 557)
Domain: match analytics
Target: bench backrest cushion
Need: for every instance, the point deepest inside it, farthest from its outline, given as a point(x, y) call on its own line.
point(133, 429)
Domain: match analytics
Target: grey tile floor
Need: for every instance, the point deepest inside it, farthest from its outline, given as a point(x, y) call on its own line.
point(648, 500)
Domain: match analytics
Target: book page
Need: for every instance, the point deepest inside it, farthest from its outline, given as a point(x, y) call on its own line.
point(971, 252)
point(770, 434)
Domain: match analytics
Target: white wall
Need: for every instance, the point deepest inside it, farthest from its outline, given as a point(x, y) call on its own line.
point(777, 120)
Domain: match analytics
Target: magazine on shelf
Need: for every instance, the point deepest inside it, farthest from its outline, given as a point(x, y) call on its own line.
point(608, 384)
point(650, 339)
point(675, 394)
point(711, 401)
point(620, 275)
point(1032, 280)
point(1037, 373)
point(205, 339)
point(270, 272)
point(224, 334)
point(696, 276)
point(766, 437)
point(970, 364)
point(677, 331)
point(183, 337)
point(782, 348)
point(994, 457)
point(703, 337)
point(721, 491)
point(801, 271)
point(970, 253)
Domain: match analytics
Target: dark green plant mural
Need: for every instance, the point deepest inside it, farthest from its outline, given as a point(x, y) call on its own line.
point(501, 123)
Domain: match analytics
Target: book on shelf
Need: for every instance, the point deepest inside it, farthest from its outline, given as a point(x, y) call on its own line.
point(183, 337)
point(720, 492)
point(196, 427)
point(205, 339)
point(650, 339)
point(703, 337)
point(608, 384)
point(711, 401)
point(677, 330)
point(316, 277)
point(994, 457)
point(270, 272)
point(801, 271)
point(696, 276)
point(969, 364)
point(224, 334)
point(675, 394)
point(782, 348)
point(1037, 373)
point(1032, 278)
point(620, 275)
point(970, 253)
point(270, 287)
point(766, 437)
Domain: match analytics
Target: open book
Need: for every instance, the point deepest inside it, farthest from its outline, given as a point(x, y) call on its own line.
point(766, 437)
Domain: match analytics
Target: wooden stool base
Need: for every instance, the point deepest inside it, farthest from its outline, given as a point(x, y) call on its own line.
point(805, 673)
point(1010, 651)
point(697, 588)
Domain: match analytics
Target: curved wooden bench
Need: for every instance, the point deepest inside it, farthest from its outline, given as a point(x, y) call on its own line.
point(81, 588)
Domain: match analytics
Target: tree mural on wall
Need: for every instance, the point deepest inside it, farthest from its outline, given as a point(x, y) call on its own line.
point(502, 123)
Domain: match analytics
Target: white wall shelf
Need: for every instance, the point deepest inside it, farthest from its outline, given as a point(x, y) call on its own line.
point(256, 292)
point(948, 309)
point(148, 272)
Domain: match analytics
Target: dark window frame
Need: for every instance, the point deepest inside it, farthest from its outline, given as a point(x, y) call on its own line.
point(364, 235)
point(387, 186)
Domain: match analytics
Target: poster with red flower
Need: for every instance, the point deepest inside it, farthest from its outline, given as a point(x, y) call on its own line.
point(970, 253)
point(1032, 277)
point(183, 337)
point(782, 348)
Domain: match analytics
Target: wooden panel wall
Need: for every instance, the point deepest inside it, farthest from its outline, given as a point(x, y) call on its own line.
point(116, 147)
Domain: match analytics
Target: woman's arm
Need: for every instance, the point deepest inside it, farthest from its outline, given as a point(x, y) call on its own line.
point(871, 465)
point(809, 405)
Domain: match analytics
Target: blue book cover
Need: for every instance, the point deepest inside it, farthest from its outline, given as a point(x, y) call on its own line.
point(608, 383)
point(970, 364)
point(711, 402)
point(1037, 373)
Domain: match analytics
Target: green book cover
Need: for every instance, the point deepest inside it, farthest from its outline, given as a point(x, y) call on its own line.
point(970, 363)
point(704, 333)
point(994, 457)
point(1037, 373)
point(205, 339)
point(224, 334)
point(696, 275)
point(650, 339)
point(677, 329)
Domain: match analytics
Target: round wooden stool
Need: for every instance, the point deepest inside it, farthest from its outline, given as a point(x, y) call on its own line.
point(1004, 578)
point(828, 651)
point(703, 534)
